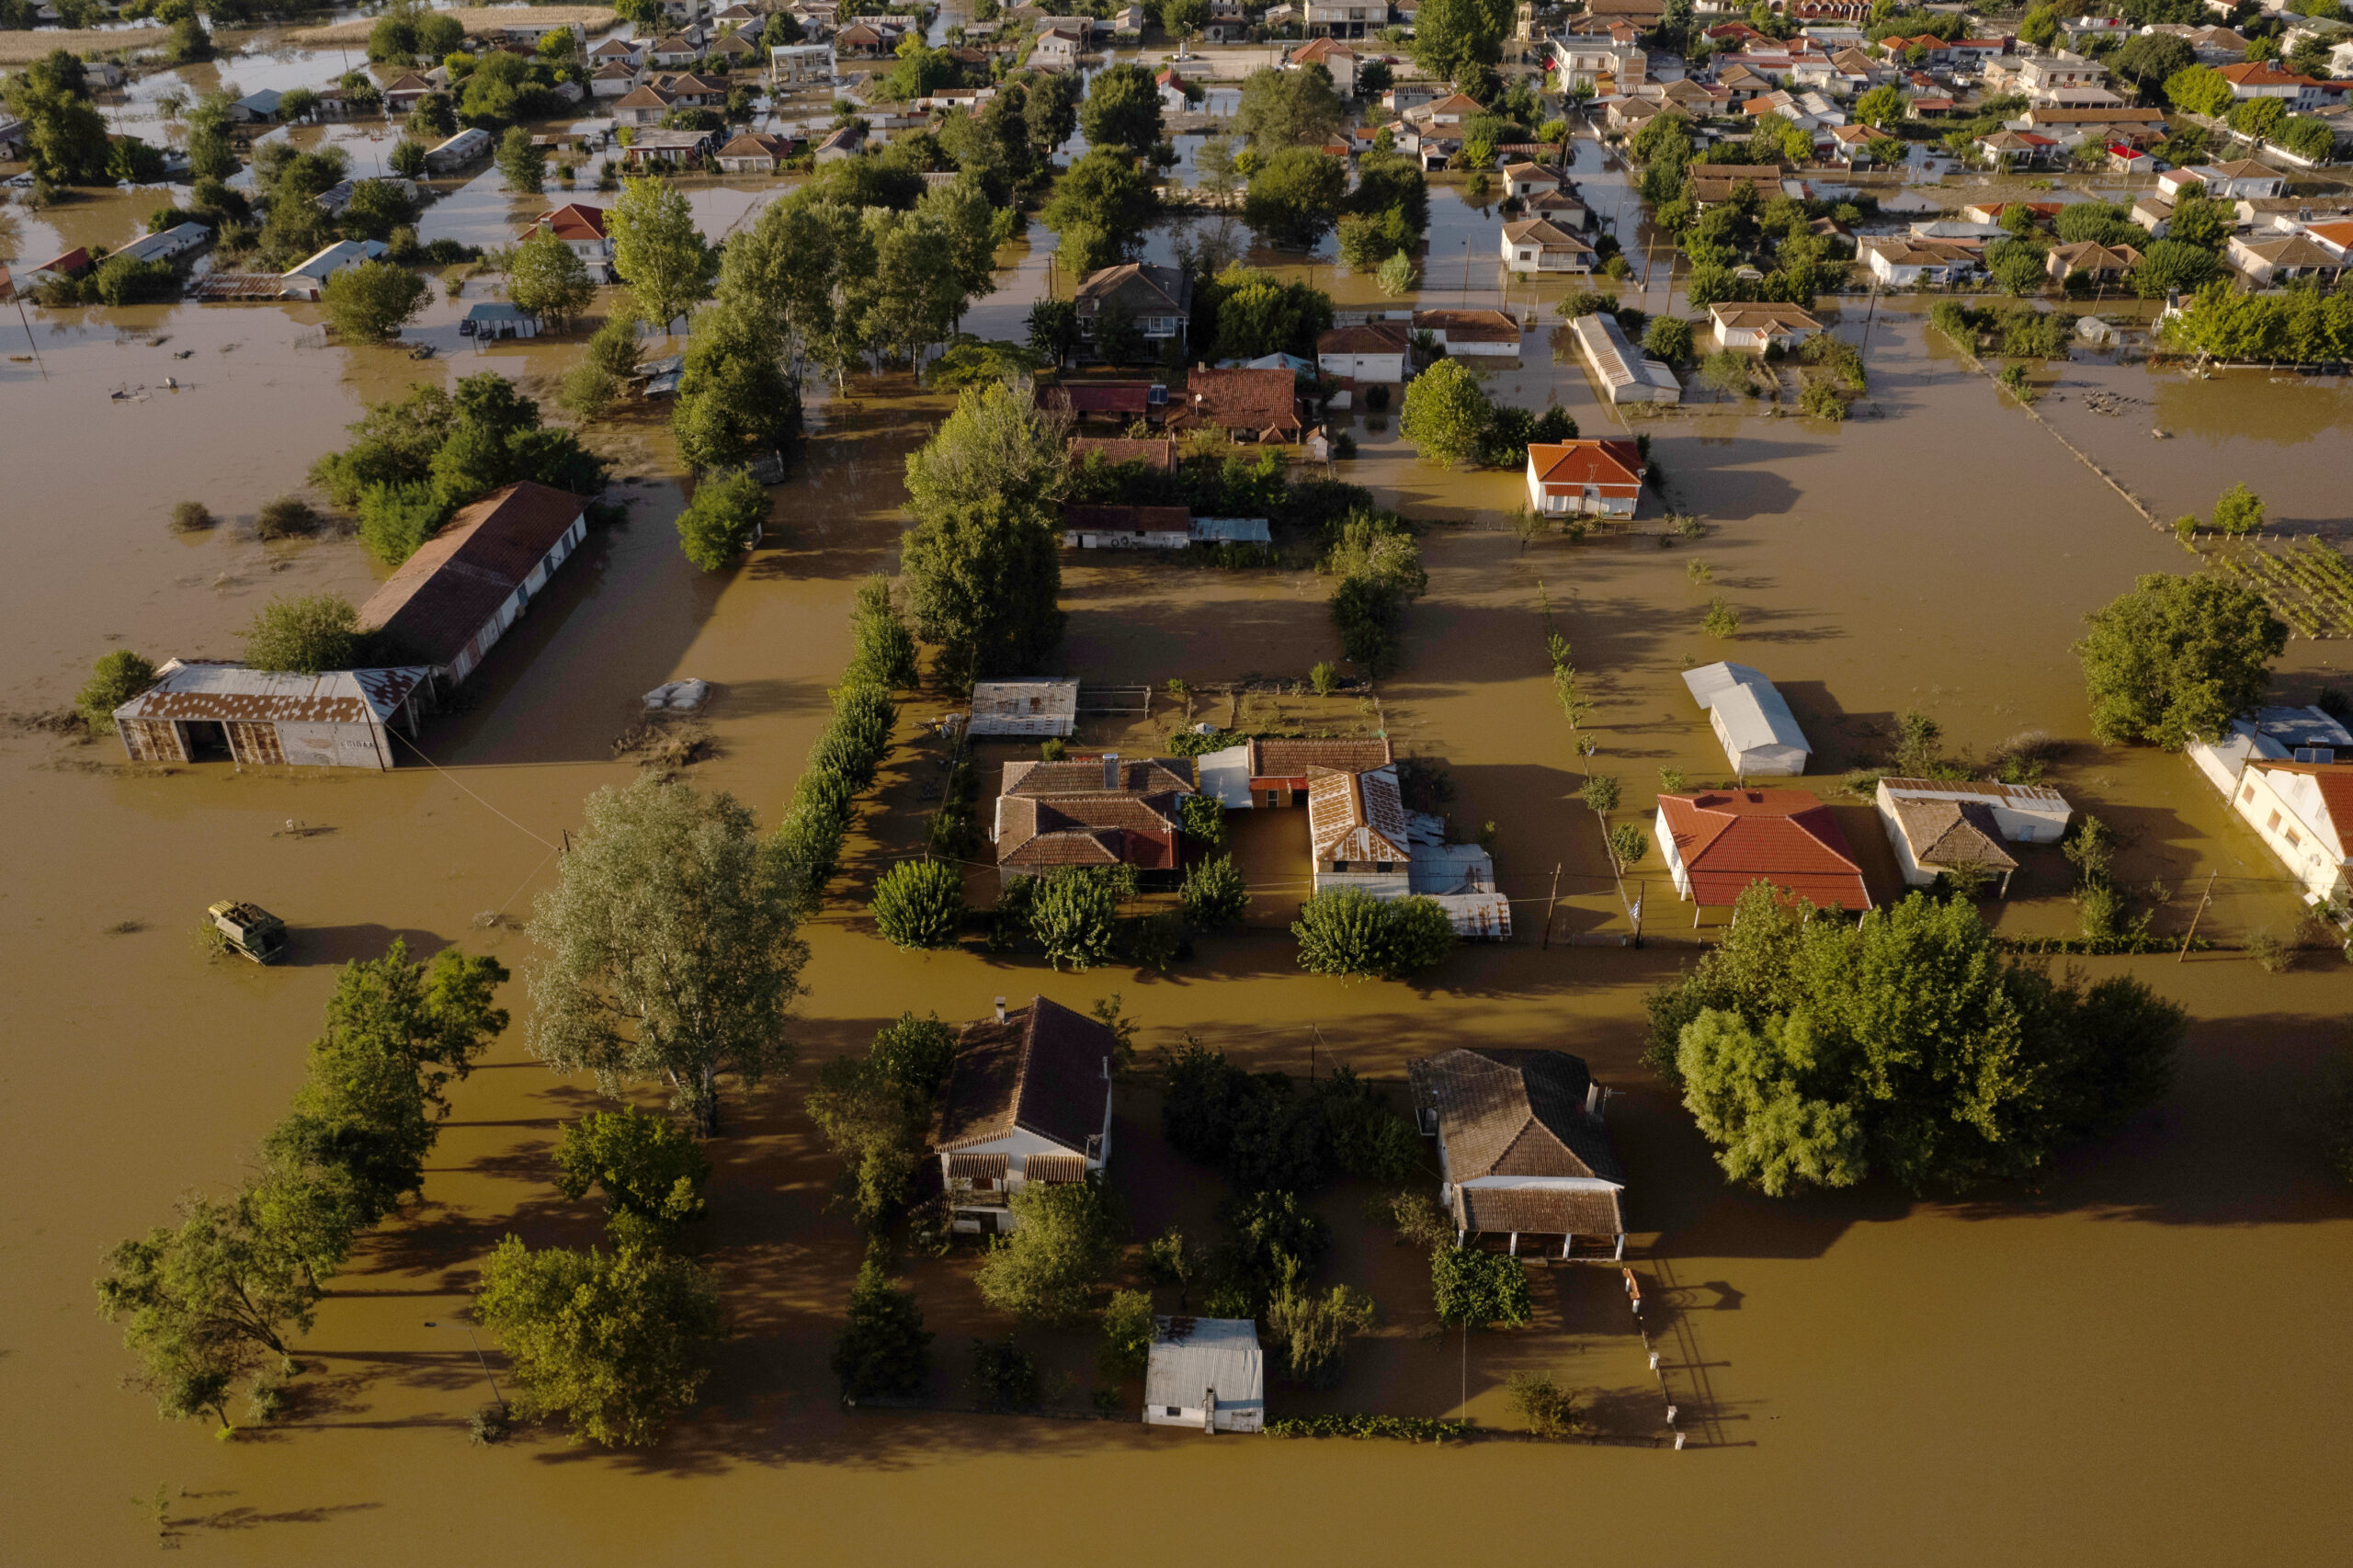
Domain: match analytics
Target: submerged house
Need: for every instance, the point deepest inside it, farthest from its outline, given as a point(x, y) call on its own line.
point(1719, 843)
point(1028, 1099)
point(197, 712)
point(1271, 772)
point(458, 595)
point(1092, 811)
point(1938, 824)
point(1751, 718)
point(1033, 707)
point(1522, 1150)
point(1205, 1373)
point(2288, 772)
point(1361, 836)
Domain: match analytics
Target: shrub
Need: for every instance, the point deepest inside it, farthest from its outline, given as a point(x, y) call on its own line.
point(192, 517)
point(1004, 1375)
point(1475, 1289)
point(302, 634)
point(1323, 678)
point(1404, 1428)
point(395, 519)
point(1600, 793)
point(1073, 915)
point(920, 904)
point(1347, 931)
point(1722, 621)
point(1213, 895)
point(1550, 1410)
point(116, 679)
point(719, 524)
point(1628, 846)
point(2273, 955)
point(1127, 1334)
point(883, 1347)
point(1820, 400)
point(1668, 338)
point(288, 516)
point(2240, 511)
point(1311, 1332)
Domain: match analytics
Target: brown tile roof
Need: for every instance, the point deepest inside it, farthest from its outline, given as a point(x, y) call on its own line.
point(1728, 839)
point(1244, 399)
point(1538, 1211)
point(1142, 287)
point(1159, 454)
point(1468, 326)
point(1053, 1167)
point(1097, 397)
point(1087, 775)
point(1372, 337)
point(978, 1167)
point(646, 97)
point(1044, 1070)
point(1271, 757)
point(1756, 315)
point(1356, 817)
point(1514, 1112)
point(1088, 830)
point(1952, 832)
point(444, 594)
point(1128, 519)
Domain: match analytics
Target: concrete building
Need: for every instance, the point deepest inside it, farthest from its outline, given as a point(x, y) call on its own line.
point(1759, 327)
point(1751, 720)
point(1031, 707)
point(1720, 843)
point(1588, 477)
point(470, 582)
point(1207, 1373)
point(1377, 351)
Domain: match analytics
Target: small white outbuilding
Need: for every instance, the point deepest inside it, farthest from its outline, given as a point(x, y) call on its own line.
point(1205, 1373)
point(1751, 718)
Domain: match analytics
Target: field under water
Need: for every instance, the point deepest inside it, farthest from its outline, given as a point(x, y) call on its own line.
point(2139, 1363)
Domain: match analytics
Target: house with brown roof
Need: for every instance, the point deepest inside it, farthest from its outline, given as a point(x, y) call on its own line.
point(1540, 245)
point(1761, 326)
point(755, 152)
point(1522, 1149)
point(1158, 454)
point(2285, 257)
point(1585, 477)
point(467, 584)
point(1092, 527)
point(1028, 1099)
point(581, 227)
point(1719, 843)
point(1249, 404)
point(1124, 402)
point(1356, 831)
point(1939, 825)
point(1157, 300)
point(2097, 262)
point(1271, 772)
point(198, 710)
point(1375, 351)
point(1098, 812)
point(644, 105)
point(1472, 334)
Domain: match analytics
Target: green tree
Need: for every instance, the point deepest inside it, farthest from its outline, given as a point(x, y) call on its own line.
point(1477, 1289)
point(65, 136)
point(737, 403)
point(1667, 338)
point(407, 158)
point(1052, 326)
point(2240, 511)
point(658, 251)
point(1348, 931)
point(1213, 895)
point(718, 525)
point(1123, 109)
point(1129, 1329)
point(546, 279)
point(1446, 414)
point(1453, 38)
point(920, 904)
point(114, 680)
point(302, 634)
point(2198, 89)
point(648, 1168)
point(370, 303)
point(667, 948)
point(522, 165)
point(2148, 59)
point(1280, 109)
point(1295, 196)
point(1073, 915)
point(2040, 26)
point(1879, 105)
point(882, 651)
point(205, 1300)
point(883, 1348)
point(994, 442)
point(1100, 208)
point(875, 1112)
point(1311, 1331)
point(2171, 265)
point(1066, 1241)
point(616, 1343)
point(2178, 657)
point(1256, 315)
point(983, 578)
point(2257, 117)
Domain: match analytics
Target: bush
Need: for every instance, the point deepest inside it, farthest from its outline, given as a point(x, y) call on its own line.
point(920, 904)
point(1667, 338)
point(1476, 1289)
point(127, 280)
point(1311, 1332)
point(1550, 1410)
point(2272, 955)
point(1820, 400)
point(288, 516)
point(1721, 621)
point(719, 524)
point(1347, 931)
point(302, 634)
point(1073, 915)
point(395, 519)
point(116, 679)
point(192, 517)
point(1128, 1330)
point(1004, 1375)
point(1404, 1428)
point(1065, 1245)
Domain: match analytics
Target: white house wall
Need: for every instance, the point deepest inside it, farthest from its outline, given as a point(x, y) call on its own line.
point(2316, 862)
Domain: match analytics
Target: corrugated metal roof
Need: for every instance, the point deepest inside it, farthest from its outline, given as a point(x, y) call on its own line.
point(209, 692)
point(1754, 712)
point(1356, 817)
point(1190, 1356)
point(449, 589)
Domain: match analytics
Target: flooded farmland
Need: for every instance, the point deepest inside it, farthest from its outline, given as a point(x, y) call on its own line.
point(2138, 1363)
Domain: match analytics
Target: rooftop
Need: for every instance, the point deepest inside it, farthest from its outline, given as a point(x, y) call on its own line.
point(1728, 839)
point(1043, 1069)
point(432, 606)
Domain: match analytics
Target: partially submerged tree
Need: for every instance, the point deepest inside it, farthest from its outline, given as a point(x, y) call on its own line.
point(669, 948)
point(883, 1347)
point(2178, 657)
point(617, 1344)
point(649, 1169)
point(116, 679)
point(1062, 1248)
point(302, 634)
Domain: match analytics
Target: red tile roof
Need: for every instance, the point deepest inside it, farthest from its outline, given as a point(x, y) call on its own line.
point(1160, 454)
point(573, 221)
point(1372, 337)
point(1728, 839)
point(1244, 399)
point(1587, 462)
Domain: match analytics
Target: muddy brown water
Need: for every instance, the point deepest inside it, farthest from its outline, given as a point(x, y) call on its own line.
point(2139, 1363)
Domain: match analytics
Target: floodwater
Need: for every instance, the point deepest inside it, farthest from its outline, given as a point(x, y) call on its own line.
point(2142, 1363)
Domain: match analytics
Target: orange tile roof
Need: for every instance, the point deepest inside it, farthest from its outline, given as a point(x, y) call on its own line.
point(1729, 839)
point(1587, 462)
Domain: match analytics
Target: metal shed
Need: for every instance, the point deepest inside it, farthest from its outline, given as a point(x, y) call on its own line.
point(1028, 705)
point(197, 712)
point(1759, 734)
point(1205, 1373)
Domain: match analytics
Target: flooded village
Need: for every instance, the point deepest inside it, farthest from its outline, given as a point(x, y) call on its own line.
point(1596, 771)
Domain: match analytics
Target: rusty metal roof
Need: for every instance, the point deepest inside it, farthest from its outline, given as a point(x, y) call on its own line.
point(1356, 816)
point(206, 691)
point(449, 590)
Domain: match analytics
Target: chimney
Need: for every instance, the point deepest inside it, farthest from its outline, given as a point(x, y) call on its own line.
point(1000, 1009)
point(1111, 771)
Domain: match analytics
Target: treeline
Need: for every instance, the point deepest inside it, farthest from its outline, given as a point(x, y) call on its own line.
point(849, 750)
point(413, 462)
point(2302, 325)
point(212, 1303)
point(1775, 234)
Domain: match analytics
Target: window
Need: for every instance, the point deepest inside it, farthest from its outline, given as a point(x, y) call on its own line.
point(1172, 1409)
point(2273, 825)
point(2247, 794)
point(1339, 865)
point(2294, 838)
point(1380, 866)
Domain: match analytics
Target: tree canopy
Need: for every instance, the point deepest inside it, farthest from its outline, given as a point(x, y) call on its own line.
point(1284, 108)
point(1813, 1051)
point(1055, 1262)
point(657, 250)
point(1123, 109)
point(1452, 38)
point(2178, 657)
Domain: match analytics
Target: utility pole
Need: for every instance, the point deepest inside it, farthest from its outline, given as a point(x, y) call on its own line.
point(2195, 917)
point(1549, 903)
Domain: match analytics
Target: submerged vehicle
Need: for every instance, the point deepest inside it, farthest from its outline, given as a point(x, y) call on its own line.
point(250, 929)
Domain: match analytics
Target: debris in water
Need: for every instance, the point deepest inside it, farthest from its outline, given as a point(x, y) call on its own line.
point(683, 695)
point(184, 354)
